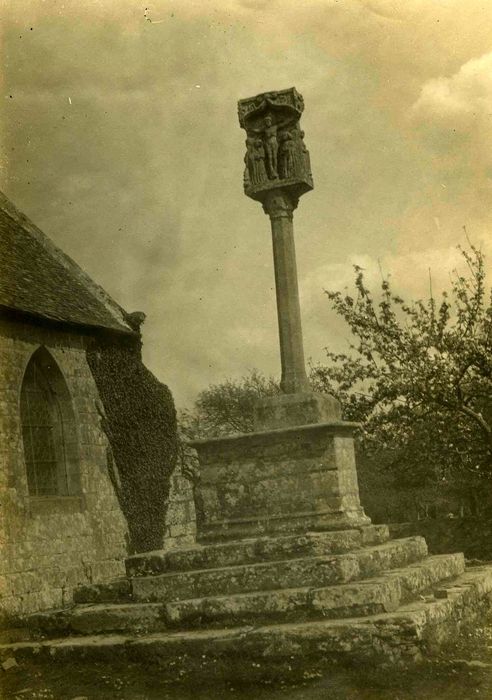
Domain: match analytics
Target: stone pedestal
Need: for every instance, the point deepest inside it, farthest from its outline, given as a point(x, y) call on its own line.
point(295, 479)
point(289, 410)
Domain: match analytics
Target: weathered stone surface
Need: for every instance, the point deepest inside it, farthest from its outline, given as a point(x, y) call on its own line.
point(254, 653)
point(387, 592)
point(109, 592)
point(95, 619)
point(239, 609)
point(296, 479)
point(368, 597)
point(51, 545)
point(284, 410)
point(254, 550)
point(427, 573)
point(249, 577)
point(290, 573)
point(99, 618)
point(374, 534)
point(395, 553)
point(275, 151)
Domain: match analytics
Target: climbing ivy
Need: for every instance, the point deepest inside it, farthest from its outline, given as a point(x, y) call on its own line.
point(139, 419)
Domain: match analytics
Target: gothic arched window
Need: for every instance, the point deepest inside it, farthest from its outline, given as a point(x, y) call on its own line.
point(48, 429)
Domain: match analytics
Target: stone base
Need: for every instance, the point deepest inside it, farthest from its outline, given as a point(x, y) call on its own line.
point(270, 608)
point(289, 410)
point(278, 481)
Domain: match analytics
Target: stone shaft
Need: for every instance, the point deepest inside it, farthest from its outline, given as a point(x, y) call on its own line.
point(279, 207)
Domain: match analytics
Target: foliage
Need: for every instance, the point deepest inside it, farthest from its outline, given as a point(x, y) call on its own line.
point(226, 408)
point(139, 419)
point(419, 376)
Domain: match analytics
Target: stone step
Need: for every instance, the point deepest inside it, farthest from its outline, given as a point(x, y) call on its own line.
point(372, 596)
point(369, 597)
point(110, 592)
point(291, 573)
point(213, 556)
point(99, 618)
point(279, 652)
point(230, 553)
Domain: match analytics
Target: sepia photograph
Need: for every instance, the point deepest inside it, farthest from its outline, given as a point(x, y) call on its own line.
point(246, 350)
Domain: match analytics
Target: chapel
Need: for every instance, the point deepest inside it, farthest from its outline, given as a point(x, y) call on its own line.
point(65, 517)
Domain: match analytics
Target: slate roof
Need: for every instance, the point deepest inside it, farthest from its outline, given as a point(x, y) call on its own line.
point(37, 278)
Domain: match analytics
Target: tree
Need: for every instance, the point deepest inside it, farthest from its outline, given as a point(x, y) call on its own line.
point(221, 409)
point(419, 377)
point(226, 408)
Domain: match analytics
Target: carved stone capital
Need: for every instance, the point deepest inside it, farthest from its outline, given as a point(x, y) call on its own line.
point(276, 155)
point(279, 205)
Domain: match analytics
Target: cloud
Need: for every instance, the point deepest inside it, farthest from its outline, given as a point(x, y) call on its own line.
point(467, 93)
point(454, 115)
point(408, 273)
point(139, 177)
point(381, 10)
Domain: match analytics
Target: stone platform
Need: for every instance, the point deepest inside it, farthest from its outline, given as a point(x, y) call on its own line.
point(267, 607)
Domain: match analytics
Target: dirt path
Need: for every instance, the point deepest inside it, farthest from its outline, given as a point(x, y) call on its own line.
point(462, 673)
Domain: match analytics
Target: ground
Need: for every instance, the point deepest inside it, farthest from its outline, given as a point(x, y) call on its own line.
point(463, 671)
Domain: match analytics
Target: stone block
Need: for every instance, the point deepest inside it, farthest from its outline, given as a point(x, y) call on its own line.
point(297, 479)
point(395, 553)
point(103, 618)
point(288, 410)
point(110, 592)
point(294, 573)
point(355, 599)
point(219, 555)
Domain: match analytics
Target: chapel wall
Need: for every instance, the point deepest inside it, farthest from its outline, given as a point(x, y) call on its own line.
point(51, 545)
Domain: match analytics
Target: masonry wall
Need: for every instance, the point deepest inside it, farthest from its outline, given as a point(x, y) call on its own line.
point(180, 517)
point(49, 545)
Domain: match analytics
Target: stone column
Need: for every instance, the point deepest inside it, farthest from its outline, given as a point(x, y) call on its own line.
point(279, 207)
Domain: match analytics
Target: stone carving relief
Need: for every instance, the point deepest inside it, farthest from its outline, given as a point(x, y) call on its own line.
point(275, 149)
point(255, 172)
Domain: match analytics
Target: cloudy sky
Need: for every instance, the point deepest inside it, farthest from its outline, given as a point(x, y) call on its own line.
point(119, 138)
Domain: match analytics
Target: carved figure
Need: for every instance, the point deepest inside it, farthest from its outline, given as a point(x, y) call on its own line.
point(269, 134)
point(255, 172)
point(300, 154)
point(249, 159)
point(287, 148)
point(260, 174)
point(305, 153)
point(271, 146)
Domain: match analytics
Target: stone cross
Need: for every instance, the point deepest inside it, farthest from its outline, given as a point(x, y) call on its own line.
point(277, 173)
point(296, 471)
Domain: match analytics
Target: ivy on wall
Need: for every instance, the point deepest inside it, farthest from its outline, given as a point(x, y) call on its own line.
point(139, 420)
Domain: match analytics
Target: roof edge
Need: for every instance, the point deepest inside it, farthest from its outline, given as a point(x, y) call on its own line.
point(118, 313)
point(24, 316)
